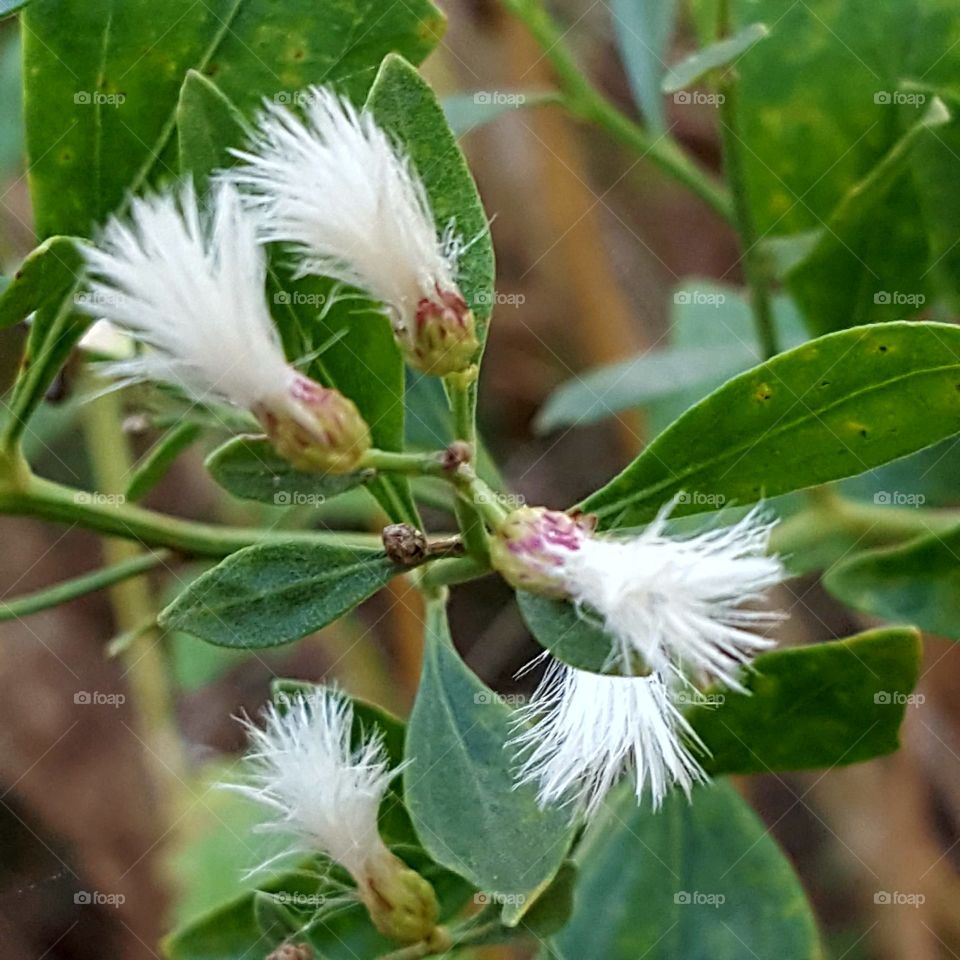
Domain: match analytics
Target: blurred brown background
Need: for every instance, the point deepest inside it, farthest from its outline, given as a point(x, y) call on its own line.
point(590, 242)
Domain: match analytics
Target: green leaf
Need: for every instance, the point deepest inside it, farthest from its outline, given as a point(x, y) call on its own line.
point(856, 273)
point(712, 338)
point(544, 913)
point(826, 705)
point(917, 582)
point(570, 635)
point(831, 408)
point(47, 282)
point(933, 161)
point(155, 463)
point(265, 595)
point(249, 468)
point(465, 112)
point(11, 106)
point(700, 880)
point(45, 277)
point(208, 125)
point(103, 80)
point(824, 85)
point(467, 810)
point(720, 54)
point(605, 391)
point(643, 30)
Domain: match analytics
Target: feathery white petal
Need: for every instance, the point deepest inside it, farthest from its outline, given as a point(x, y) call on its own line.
point(349, 200)
point(582, 731)
point(324, 792)
point(189, 285)
point(679, 602)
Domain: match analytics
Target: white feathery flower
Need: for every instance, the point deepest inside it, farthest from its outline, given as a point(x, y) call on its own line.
point(190, 285)
point(582, 731)
point(677, 603)
point(324, 792)
point(348, 199)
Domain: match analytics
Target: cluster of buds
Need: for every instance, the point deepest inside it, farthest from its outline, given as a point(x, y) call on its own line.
point(325, 793)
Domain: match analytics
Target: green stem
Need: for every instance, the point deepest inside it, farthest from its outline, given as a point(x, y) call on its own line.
point(586, 102)
point(144, 659)
point(80, 586)
point(446, 573)
point(419, 464)
point(755, 268)
point(45, 500)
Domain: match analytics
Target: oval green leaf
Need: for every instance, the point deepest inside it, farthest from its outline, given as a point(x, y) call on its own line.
point(917, 582)
point(700, 880)
point(827, 705)
point(569, 634)
point(831, 408)
point(468, 812)
point(723, 53)
point(270, 594)
point(249, 468)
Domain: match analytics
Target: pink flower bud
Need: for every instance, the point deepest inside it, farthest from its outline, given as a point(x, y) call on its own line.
point(532, 546)
point(315, 429)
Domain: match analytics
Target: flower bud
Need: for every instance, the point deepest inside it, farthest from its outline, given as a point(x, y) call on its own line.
point(315, 429)
point(402, 904)
point(443, 339)
point(531, 546)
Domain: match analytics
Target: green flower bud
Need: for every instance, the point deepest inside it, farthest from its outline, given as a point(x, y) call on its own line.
point(401, 903)
point(315, 429)
point(443, 339)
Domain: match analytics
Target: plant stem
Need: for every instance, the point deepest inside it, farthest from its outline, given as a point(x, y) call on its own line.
point(33, 496)
point(444, 573)
point(755, 268)
point(146, 667)
point(588, 103)
point(419, 464)
point(80, 586)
